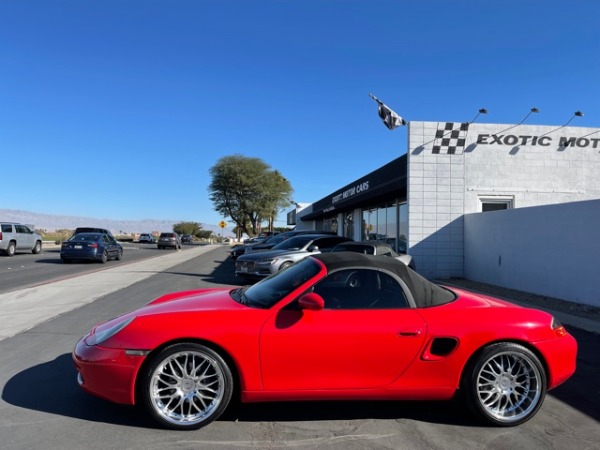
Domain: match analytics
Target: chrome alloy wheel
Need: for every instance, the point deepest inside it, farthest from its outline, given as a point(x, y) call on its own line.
point(187, 387)
point(509, 386)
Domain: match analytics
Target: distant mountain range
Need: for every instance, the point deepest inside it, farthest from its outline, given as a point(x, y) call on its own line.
point(49, 222)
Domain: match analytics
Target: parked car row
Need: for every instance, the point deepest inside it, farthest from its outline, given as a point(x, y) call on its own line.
point(280, 252)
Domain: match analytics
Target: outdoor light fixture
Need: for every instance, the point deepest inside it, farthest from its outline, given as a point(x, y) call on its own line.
point(575, 114)
point(531, 111)
point(481, 111)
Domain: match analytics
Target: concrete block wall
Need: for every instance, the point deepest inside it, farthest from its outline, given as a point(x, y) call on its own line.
point(436, 196)
point(452, 167)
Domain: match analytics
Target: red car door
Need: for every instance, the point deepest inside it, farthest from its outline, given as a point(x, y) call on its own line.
point(339, 349)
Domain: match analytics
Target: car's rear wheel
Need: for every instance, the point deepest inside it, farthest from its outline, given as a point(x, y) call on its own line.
point(186, 386)
point(37, 248)
point(10, 250)
point(505, 385)
point(104, 257)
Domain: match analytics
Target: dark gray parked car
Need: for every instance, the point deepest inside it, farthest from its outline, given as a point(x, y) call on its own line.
point(169, 240)
point(264, 263)
point(374, 248)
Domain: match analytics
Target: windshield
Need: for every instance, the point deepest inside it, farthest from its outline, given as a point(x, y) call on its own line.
point(272, 289)
point(294, 243)
point(274, 240)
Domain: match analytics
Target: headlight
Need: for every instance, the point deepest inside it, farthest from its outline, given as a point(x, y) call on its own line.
point(100, 336)
point(267, 261)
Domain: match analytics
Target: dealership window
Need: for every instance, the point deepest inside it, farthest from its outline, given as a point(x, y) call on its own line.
point(349, 225)
point(495, 202)
point(387, 223)
point(330, 224)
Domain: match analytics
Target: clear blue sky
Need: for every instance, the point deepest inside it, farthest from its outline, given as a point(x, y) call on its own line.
point(116, 109)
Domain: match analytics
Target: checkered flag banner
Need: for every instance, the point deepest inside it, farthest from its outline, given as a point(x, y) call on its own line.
point(450, 139)
point(390, 119)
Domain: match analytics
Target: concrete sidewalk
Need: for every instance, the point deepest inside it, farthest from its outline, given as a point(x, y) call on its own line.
point(584, 317)
point(23, 309)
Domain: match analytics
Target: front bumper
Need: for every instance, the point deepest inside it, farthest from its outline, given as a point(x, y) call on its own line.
point(106, 372)
point(251, 269)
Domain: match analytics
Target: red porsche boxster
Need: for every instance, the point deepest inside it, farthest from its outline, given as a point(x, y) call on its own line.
point(337, 326)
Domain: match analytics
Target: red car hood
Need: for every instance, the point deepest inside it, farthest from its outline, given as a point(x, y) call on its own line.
point(197, 300)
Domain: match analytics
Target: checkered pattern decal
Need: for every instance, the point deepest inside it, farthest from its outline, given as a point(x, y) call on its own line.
point(451, 138)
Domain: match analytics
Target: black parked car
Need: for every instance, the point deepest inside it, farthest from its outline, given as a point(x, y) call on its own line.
point(187, 238)
point(92, 246)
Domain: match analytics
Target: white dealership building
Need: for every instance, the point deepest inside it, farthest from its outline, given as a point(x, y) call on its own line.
point(511, 205)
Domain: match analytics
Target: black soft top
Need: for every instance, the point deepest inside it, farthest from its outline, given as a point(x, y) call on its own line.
point(424, 292)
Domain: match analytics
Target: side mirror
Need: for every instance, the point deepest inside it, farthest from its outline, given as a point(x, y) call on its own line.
point(313, 248)
point(312, 302)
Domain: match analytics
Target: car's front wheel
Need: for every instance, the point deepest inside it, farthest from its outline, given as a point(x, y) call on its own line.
point(285, 265)
point(505, 385)
point(186, 386)
point(119, 256)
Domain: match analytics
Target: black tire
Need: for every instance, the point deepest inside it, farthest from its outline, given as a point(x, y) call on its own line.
point(11, 249)
point(185, 386)
point(285, 265)
point(119, 256)
point(104, 257)
point(505, 384)
point(37, 248)
point(65, 260)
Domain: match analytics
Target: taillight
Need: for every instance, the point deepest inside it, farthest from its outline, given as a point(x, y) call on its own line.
point(0, 235)
point(93, 245)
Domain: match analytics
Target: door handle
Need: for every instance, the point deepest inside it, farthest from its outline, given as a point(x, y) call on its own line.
point(408, 332)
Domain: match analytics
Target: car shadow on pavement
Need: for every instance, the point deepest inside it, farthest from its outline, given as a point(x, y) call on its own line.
point(223, 274)
point(57, 392)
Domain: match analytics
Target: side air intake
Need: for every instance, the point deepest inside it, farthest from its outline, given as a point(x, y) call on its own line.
point(443, 346)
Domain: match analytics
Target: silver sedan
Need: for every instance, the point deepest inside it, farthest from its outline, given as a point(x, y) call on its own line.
point(262, 264)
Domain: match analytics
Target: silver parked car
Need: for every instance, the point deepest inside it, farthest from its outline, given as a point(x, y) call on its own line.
point(284, 254)
point(17, 237)
point(374, 248)
point(169, 240)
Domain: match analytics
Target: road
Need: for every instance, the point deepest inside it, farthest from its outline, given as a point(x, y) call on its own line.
point(26, 269)
point(42, 406)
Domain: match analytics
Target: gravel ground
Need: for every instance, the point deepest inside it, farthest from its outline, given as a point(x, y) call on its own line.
point(576, 309)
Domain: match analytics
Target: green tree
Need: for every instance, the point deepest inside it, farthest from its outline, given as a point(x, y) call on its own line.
point(192, 228)
point(247, 191)
point(204, 234)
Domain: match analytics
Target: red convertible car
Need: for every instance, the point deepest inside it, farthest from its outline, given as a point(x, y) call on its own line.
point(335, 326)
